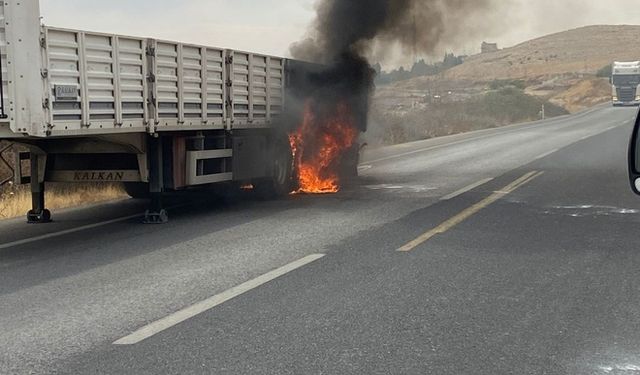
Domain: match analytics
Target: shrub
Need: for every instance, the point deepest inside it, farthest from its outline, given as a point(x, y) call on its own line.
point(605, 72)
point(501, 83)
point(510, 104)
point(505, 106)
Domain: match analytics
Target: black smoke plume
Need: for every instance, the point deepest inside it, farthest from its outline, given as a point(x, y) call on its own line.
point(346, 31)
point(343, 34)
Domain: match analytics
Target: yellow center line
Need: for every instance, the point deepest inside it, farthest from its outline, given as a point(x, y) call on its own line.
point(464, 215)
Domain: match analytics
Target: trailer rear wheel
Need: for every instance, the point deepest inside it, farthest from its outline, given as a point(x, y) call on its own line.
point(137, 190)
point(281, 181)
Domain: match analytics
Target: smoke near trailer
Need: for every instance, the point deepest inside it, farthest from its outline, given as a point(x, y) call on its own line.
point(335, 95)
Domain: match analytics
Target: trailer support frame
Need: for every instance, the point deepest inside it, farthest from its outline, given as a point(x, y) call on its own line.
point(38, 214)
point(156, 214)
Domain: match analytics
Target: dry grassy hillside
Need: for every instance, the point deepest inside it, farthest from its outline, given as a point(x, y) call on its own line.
point(583, 50)
point(560, 68)
point(584, 93)
point(510, 85)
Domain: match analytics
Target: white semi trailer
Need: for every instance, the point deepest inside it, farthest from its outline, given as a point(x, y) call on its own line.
point(155, 115)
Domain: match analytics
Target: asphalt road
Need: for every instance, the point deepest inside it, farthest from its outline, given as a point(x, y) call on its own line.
point(522, 258)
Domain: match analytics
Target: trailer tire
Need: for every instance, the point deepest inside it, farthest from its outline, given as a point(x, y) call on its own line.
point(280, 182)
point(348, 171)
point(137, 190)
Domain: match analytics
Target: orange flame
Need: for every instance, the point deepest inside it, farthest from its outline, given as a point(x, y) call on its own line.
point(317, 147)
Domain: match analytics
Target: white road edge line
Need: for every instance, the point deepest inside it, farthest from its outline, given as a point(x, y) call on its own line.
point(547, 154)
point(454, 143)
point(598, 133)
point(97, 225)
point(67, 231)
point(579, 140)
point(466, 189)
point(75, 230)
point(430, 148)
point(498, 131)
point(203, 306)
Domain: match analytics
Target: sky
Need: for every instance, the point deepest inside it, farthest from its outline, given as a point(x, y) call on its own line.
point(270, 26)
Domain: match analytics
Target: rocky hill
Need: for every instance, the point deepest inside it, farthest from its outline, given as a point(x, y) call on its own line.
point(560, 68)
point(557, 71)
point(584, 50)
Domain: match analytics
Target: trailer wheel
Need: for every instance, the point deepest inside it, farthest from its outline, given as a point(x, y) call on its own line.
point(137, 190)
point(281, 181)
point(349, 166)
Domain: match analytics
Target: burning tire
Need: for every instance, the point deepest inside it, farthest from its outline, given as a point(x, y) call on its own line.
point(325, 148)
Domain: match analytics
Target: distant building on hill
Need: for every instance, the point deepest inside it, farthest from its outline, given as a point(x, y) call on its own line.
point(489, 47)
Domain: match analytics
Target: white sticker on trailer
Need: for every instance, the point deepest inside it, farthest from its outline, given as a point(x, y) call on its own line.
point(66, 92)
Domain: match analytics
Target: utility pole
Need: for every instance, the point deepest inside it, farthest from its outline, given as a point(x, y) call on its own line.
point(415, 36)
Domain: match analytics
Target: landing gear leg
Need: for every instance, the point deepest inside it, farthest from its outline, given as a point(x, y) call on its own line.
point(38, 214)
point(156, 214)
